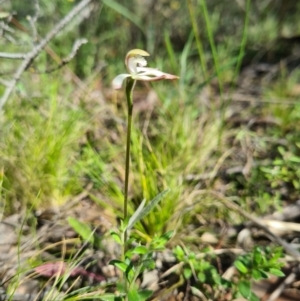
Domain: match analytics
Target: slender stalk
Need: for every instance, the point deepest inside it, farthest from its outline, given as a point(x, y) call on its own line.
point(129, 89)
point(127, 162)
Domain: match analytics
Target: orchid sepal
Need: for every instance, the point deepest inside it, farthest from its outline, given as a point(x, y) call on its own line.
point(118, 81)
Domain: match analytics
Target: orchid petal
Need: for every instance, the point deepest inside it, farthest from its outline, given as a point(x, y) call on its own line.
point(136, 54)
point(147, 78)
point(118, 81)
point(147, 69)
point(155, 78)
point(153, 73)
point(133, 62)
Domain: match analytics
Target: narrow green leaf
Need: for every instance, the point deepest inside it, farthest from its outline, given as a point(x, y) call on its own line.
point(168, 235)
point(276, 272)
point(122, 266)
point(116, 237)
point(157, 244)
point(150, 206)
point(121, 287)
point(295, 159)
point(201, 277)
point(129, 253)
point(191, 256)
point(281, 150)
point(135, 217)
point(216, 277)
point(141, 250)
point(149, 264)
point(244, 288)
point(82, 229)
point(133, 295)
point(187, 272)
point(264, 275)
point(240, 267)
point(110, 297)
point(253, 297)
point(227, 283)
point(257, 257)
point(256, 274)
point(179, 252)
point(130, 271)
point(145, 294)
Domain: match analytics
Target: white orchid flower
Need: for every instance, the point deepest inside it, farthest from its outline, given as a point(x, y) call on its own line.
point(136, 66)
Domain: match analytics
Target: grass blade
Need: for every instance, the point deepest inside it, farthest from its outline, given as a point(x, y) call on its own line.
point(122, 10)
point(170, 51)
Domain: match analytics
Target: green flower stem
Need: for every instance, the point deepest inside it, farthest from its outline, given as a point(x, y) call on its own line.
point(127, 162)
point(129, 89)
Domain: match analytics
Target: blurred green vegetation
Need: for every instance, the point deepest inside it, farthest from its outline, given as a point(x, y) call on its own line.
point(61, 132)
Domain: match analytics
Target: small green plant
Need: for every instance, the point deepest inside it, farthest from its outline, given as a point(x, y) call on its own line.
point(205, 278)
point(202, 274)
point(137, 258)
point(257, 265)
point(284, 169)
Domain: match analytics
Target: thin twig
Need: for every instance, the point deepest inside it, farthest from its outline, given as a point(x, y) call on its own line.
point(288, 248)
point(65, 61)
point(32, 20)
point(287, 281)
point(10, 38)
point(4, 82)
point(13, 56)
point(31, 56)
point(6, 27)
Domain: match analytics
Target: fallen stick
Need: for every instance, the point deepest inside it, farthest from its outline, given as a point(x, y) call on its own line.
point(228, 203)
point(32, 55)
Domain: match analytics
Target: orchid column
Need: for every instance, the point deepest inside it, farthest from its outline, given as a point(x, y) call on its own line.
point(136, 66)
